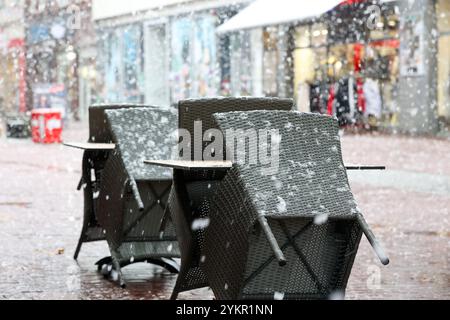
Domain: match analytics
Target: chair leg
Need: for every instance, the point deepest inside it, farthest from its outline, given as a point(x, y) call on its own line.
point(167, 215)
point(174, 295)
point(176, 290)
point(163, 224)
point(184, 269)
point(118, 269)
point(379, 251)
point(272, 241)
point(102, 262)
point(80, 243)
point(82, 238)
point(167, 263)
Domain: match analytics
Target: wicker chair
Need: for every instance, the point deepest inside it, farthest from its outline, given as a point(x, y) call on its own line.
point(307, 205)
point(192, 190)
point(92, 166)
point(133, 196)
point(124, 199)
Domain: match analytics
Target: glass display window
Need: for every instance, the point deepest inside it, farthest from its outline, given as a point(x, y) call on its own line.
point(443, 21)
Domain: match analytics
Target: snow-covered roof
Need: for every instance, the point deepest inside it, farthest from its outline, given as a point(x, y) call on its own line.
point(262, 13)
point(104, 9)
point(271, 12)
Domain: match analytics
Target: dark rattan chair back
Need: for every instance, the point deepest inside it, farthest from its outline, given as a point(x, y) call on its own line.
point(132, 196)
point(192, 190)
point(92, 166)
point(99, 131)
point(308, 205)
point(141, 134)
point(202, 110)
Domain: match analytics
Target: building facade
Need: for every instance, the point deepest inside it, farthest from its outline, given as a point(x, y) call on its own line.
point(159, 57)
point(402, 57)
point(388, 71)
point(57, 37)
point(12, 57)
point(443, 60)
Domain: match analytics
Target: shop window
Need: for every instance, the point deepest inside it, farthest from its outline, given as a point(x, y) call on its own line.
point(194, 66)
point(240, 62)
point(443, 18)
point(444, 77)
point(122, 66)
point(156, 65)
point(205, 73)
point(339, 61)
point(387, 27)
point(443, 15)
point(277, 80)
point(302, 37)
point(271, 61)
point(181, 58)
point(319, 34)
point(132, 62)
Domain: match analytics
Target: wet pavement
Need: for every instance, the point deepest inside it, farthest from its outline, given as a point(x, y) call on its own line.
point(408, 207)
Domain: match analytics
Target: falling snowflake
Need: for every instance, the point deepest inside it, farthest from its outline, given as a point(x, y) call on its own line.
point(281, 206)
point(114, 275)
point(200, 224)
point(320, 219)
point(278, 296)
point(337, 295)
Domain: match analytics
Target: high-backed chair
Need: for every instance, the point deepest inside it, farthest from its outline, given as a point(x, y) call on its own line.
point(124, 200)
point(93, 162)
point(191, 191)
point(133, 196)
point(306, 206)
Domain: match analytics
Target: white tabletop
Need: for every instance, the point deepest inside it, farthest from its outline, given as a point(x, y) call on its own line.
point(191, 165)
point(90, 146)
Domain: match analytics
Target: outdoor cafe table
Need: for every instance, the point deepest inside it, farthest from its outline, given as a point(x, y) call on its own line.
point(225, 165)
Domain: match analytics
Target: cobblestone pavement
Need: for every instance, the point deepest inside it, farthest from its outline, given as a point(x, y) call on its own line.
point(41, 215)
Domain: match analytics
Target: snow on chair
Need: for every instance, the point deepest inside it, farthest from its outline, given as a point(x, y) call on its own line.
point(291, 234)
point(193, 186)
point(127, 198)
point(96, 151)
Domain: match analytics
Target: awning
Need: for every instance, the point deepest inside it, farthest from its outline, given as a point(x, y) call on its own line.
point(263, 13)
point(107, 9)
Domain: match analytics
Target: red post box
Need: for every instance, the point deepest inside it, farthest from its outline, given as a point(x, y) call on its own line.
point(46, 126)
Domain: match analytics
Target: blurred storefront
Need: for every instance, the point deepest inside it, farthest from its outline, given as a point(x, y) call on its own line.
point(344, 68)
point(364, 61)
point(194, 71)
point(54, 34)
point(12, 68)
point(243, 63)
point(120, 62)
point(443, 22)
point(162, 56)
point(377, 64)
point(12, 58)
point(277, 62)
